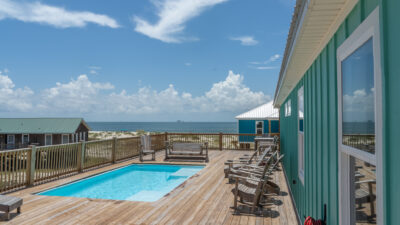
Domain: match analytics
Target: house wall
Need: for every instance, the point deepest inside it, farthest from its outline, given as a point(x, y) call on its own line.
point(320, 127)
point(249, 127)
point(274, 126)
point(390, 30)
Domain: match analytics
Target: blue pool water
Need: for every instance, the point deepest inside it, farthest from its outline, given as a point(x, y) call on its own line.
point(133, 183)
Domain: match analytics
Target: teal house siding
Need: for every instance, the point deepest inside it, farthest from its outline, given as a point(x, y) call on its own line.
point(274, 126)
point(249, 127)
point(390, 44)
point(246, 127)
point(320, 121)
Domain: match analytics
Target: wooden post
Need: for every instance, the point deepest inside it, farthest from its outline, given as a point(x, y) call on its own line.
point(220, 141)
point(79, 159)
point(30, 173)
point(114, 148)
point(269, 124)
point(81, 162)
point(166, 136)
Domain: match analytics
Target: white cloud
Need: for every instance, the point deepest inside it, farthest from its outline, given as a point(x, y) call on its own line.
point(37, 12)
point(188, 64)
point(94, 69)
point(82, 96)
point(262, 65)
point(358, 106)
point(271, 59)
point(266, 67)
point(12, 98)
point(274, 58)
point(173, 15)
point(245, 40)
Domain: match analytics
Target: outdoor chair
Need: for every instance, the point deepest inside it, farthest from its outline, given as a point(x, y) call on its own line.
point(146, 148)
point(240, 163)
point(248, 195)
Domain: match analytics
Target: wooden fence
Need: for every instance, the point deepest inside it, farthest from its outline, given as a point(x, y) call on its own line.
point(28, 166)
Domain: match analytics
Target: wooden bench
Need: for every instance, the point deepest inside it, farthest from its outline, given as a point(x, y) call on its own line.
point(9, 203)
point(179, 150)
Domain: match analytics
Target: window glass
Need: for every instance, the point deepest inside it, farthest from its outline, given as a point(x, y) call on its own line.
point(48, 140)
point(259, 127)
point(301, 109)
point(25, 139)
point(10, 139)
point(363, 192)
point(65, 139)
point(358, 107)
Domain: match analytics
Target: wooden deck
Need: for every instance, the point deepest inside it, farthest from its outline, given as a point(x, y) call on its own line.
point(203, 199)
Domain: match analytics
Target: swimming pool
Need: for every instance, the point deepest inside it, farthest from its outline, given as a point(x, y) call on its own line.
point(137, 182)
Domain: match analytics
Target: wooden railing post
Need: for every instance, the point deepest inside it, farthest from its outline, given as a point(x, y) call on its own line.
point(114, 149)
point(166, 136)
point(220, 141)
point(81, 156)
point(79, 159)
point(30, 173)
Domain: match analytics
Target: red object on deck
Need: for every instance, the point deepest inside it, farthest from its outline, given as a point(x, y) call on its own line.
point(311, 221)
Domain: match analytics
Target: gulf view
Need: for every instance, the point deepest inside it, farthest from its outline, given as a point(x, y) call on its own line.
point(278, 112)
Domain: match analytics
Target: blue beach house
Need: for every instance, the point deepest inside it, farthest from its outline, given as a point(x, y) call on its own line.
point(262, 120)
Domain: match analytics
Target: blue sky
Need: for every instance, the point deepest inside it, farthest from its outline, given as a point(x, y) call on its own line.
point(148, 60)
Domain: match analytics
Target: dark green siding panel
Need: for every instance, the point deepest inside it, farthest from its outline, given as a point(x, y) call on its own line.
point(332, 135)
point(389, 11)
point(354, 19)
point(320, 127)
point(324, 127)
point(369, 6)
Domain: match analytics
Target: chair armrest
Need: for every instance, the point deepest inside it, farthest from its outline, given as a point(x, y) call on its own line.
point(232, 176)
point(366, 181)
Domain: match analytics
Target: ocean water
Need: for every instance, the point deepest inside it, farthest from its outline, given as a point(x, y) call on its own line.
point(185, 127)
point(132, 183)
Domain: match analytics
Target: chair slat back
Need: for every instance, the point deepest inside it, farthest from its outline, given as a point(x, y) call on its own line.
point(195, 147)
point(264, 154)
point(146, 142)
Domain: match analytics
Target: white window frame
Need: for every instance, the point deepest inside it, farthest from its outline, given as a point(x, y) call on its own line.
point(45, 139)
point(288, 108)
point(11, 135)
point(76, 137)
point(262, 129)
point(62, 138)
point(300, 136)
point(22, 138)
point(369, 28)
point(81, 136)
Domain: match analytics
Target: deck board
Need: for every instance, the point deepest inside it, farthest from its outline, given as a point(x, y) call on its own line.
point(205, 198)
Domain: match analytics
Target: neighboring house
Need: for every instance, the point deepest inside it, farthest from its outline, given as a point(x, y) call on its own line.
point(262, 120)
point(340, 78)
point(21, 132)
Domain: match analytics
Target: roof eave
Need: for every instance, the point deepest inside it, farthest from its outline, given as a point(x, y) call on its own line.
point(299, 12)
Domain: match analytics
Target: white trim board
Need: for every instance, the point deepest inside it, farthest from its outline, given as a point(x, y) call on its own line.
point(369, 28)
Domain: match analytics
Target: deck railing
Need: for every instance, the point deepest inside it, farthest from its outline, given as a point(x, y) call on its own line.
point(37, 164)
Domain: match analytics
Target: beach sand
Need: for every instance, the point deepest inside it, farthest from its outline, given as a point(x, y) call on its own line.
point(101, 135)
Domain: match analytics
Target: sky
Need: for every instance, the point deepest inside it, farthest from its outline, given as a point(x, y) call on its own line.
point(142, 60)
